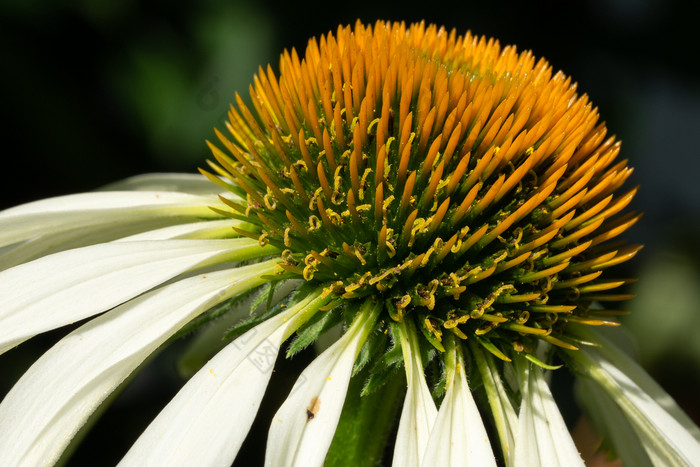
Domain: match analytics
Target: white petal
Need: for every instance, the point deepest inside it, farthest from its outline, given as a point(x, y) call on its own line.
point(419, 411)
point(302, 429)
point(458, 436)
point(54, 398)
point(207, 421)
point(55, 242)
point(29, 250)
point(504, 415)
point(542, 437)
point(611, 352)
point(66, 287)
point(89, 210)
point(665, 434)
point(222, 228)
point(184, 183)
point(612, 424)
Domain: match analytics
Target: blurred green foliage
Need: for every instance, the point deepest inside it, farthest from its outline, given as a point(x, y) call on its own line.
point(177, 103)
point(665, 314)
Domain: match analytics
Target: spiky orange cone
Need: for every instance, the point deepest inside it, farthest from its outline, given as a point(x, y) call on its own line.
point(465, 185)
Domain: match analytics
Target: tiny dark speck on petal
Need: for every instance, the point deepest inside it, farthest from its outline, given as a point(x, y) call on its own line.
point(312, 409)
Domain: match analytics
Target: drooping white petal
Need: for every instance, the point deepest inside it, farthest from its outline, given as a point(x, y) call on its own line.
point(66, 287)
point(90, 211)
point(221, 228)
point(106, 201)
point(612, 353)
point(55, 397)
point(419, 411)
point(667, 434)
point(504, 415)
point(542, 437)
point(126, 231)
point(302, 429)
point(183, 183)
point(458, 436)
point(207, 421)
point(611, 423)
point(54, 242)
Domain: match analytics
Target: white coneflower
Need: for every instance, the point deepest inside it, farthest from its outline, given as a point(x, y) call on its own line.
point(449, 202)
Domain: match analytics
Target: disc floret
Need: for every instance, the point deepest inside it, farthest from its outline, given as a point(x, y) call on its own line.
point(463, 184)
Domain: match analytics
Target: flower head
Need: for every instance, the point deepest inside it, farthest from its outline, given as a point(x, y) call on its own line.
point(465, 186)
point(450, 203)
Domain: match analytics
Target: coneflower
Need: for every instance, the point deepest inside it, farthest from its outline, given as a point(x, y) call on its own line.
point(451, 204)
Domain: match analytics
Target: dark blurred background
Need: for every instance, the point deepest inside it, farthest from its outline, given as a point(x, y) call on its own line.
point(95, 91)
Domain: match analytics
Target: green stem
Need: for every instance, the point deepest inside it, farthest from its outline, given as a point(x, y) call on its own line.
point(366, 423)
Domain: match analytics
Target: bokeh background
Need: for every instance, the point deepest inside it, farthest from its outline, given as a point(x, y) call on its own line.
point(95, 91)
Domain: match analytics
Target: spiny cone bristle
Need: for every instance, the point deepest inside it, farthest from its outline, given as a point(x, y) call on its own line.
point(465, 184)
